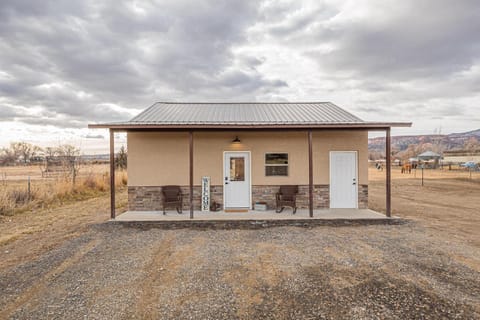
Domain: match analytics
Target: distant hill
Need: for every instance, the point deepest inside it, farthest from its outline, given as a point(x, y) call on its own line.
point(453, 141)
point(92, 157)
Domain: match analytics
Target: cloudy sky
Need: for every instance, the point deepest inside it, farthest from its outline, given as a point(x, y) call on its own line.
point(64, 64)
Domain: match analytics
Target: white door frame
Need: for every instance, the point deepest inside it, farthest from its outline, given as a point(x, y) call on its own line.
point(249, 177)
point(330, 175)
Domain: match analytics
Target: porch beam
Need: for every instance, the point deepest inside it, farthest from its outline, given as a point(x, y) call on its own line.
point(310, 174)
point(388, 152)
point(112, 174)
point(190, 138)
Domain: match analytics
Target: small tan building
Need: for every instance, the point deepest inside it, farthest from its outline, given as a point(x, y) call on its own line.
point(244, 152)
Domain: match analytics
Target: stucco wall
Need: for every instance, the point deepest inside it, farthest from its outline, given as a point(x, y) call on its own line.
point(159, 158)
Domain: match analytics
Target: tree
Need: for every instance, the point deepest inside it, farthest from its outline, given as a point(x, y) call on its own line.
point(67, 150)
point(68, 156)
point(24, 150)
point(7, 157)
point(121, 158)
point(471, 145)
point(50, 152)
point(409, 152)
point(375, 155)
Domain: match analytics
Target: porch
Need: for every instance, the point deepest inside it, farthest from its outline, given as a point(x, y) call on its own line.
point(192, 137)
point(255, 219)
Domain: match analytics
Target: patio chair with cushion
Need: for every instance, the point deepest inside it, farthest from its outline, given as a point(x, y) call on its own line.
point(287, 197)
point(172, 197)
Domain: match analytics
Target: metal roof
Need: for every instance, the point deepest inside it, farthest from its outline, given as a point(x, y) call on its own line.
point(243, 115)
point(429, 154)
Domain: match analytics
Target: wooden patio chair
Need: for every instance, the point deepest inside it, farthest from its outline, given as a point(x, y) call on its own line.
point(287, 197)
point(172, 197)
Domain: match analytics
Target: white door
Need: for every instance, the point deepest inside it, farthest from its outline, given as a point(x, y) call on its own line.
point(236, 175)
point(343, 179)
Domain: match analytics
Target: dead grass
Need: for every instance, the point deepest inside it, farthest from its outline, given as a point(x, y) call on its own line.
point(15, 198)
point(436, 174)
point(21, 172)
point(447, 203)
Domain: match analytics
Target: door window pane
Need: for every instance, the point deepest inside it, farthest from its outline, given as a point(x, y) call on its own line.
point(237, 169)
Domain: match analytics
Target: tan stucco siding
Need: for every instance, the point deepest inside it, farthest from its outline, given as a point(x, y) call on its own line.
point(326, 141)
point(157, 158)
point(162, 158)
point(209, 148)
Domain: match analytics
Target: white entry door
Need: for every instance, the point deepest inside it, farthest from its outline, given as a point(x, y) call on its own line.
point(236, 175)
point(343, 179)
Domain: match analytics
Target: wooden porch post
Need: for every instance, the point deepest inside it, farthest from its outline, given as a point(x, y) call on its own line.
point(388, 152)
point(310, 174)
point(112, 174)
point(190, 137)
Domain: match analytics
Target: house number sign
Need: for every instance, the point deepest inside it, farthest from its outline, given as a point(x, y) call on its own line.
point(205, 193)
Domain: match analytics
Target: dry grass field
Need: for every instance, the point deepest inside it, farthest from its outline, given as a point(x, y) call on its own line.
point(448, 202)
point(23, 188)
point(21, 173)
point(62, 262)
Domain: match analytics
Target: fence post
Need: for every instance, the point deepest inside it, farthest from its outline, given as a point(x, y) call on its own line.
point(422, 175)
point(74, 176)
point(28, 190)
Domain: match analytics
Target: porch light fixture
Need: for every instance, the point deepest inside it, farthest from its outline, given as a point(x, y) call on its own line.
point(236, 140)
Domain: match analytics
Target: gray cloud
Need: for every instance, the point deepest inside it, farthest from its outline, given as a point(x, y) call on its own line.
point(65, 63)
point(6, 113)
point(403, 60)
point(399, 39)
point(75, 59)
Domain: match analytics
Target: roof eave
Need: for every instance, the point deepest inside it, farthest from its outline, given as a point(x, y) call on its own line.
point(363, 125)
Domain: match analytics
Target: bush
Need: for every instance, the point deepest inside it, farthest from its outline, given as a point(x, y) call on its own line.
point(95, 182)
point(123, 178)
point(21, 196)
point(6, 204)
point(9, 200)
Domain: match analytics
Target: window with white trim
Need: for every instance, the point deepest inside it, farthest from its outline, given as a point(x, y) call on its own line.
point(276, 164)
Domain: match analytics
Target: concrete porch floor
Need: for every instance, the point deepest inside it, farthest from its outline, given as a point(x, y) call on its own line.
point(264, 218)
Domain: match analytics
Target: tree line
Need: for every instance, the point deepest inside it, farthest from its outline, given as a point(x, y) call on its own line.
point(27, 153)
point(24, 152)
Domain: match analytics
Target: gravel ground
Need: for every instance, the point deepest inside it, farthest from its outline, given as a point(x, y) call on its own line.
point(364, 272)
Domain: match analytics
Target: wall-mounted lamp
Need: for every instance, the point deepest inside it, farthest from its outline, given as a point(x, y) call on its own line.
point(236, 140)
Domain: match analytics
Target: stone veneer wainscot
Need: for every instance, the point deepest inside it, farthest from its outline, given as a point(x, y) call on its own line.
point(149, 198)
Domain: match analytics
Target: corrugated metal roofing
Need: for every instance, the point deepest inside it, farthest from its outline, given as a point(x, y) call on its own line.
point(427, 154)
point(167, 113)
point(225, 116)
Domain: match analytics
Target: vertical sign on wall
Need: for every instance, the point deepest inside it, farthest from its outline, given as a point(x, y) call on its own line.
point(205, 193)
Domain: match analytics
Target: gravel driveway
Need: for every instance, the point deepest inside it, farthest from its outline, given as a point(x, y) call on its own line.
point(364, 272)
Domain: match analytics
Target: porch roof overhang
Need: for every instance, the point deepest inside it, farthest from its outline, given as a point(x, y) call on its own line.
point(314, 116)
point(163, 116)
point(129, 126)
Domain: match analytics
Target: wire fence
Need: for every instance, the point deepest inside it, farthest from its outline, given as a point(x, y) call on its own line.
point(23, 188)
